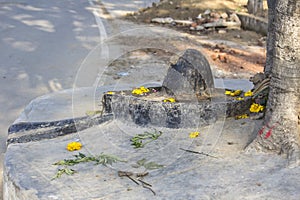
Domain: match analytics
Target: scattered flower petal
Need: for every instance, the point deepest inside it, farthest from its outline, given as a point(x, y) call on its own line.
point(171, 100)
point(110, 92)
point(244, 116)
point(194, 134)
point(236, 93)
point(239, 98)
point(140, 90)
point(73, 146)
point(248, 93)
point(227, 92)
point(233, 93)
point(255, 108)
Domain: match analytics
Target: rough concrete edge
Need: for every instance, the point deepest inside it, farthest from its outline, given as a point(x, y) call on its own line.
point(12, 192)
point(254, 23)
point(39, 134)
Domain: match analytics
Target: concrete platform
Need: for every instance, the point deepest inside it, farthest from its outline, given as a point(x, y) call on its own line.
point(227, 173)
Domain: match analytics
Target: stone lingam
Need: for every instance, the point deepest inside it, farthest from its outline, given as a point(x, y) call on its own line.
point(187, 98)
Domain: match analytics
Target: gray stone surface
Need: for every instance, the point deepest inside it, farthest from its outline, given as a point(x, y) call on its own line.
point(190, 75)
point(173, 115)
point(28, 166)
point(232, 175)
point(253, 23)
point(181, 114)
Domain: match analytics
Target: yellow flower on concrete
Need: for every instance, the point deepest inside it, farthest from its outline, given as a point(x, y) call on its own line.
point(73, 146)
point(171, 100)
point(194, 134)
point(227, 92)
point(236, 93)
point(248, 93)
point(239, 98)
point(255, 108)
point(110, 92)
point(233, 93)
point(140, 90)
point(244, 116)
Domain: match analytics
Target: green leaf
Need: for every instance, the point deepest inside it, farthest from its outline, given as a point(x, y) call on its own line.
point(104, 159)
point(140, 140)
point(152, 165)
point(147, 165)
point(66, 171)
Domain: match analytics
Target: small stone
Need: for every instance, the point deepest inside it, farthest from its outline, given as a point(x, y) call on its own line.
point(167, 20)
point(184, 22)
point(258, 184)
point(199, 28)
point(194, 24)
point(199, 16)
point(222, 31)
point(122, 73)
point(223, 57)
point(224, 15)
point(215, 15)
point(207, 12)
point(214, 56)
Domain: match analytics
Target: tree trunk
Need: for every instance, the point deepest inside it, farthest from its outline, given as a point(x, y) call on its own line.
point(255, 7)
point(271, 37)
point(281, 130)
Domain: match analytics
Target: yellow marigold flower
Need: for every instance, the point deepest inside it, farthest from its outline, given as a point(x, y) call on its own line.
point(236, 93)
point(194, 134)
point(110, 92)
point(172, 100)
point(227, 92)
point(248, 93)
point(239, 98)
point(233, 93)
point(256, 108)
point(73, 146)
point(140, 90)
point(244, 116)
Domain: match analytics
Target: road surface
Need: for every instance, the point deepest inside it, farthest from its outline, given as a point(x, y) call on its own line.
point(42, 46)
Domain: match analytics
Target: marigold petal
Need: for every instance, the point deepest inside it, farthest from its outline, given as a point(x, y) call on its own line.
point(171, 100)
point(73, 146)
point(248, 93)
point(256, 108)
point(227, 92)
point(194, 134)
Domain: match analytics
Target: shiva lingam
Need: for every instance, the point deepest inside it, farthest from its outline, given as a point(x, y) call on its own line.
point(187, 98)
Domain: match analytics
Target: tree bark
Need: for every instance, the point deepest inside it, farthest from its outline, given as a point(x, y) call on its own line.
point(271, 37)
point(281, 128)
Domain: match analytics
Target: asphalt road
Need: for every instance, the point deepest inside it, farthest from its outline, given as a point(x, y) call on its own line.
point(42, 46)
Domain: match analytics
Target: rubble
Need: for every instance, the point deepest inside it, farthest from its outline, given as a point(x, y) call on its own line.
point(217, 20)
point(205, 21)
point(166, 20)
point(184, 22)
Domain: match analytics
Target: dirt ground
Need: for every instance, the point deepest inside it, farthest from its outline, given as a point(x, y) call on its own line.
point(225, 57)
